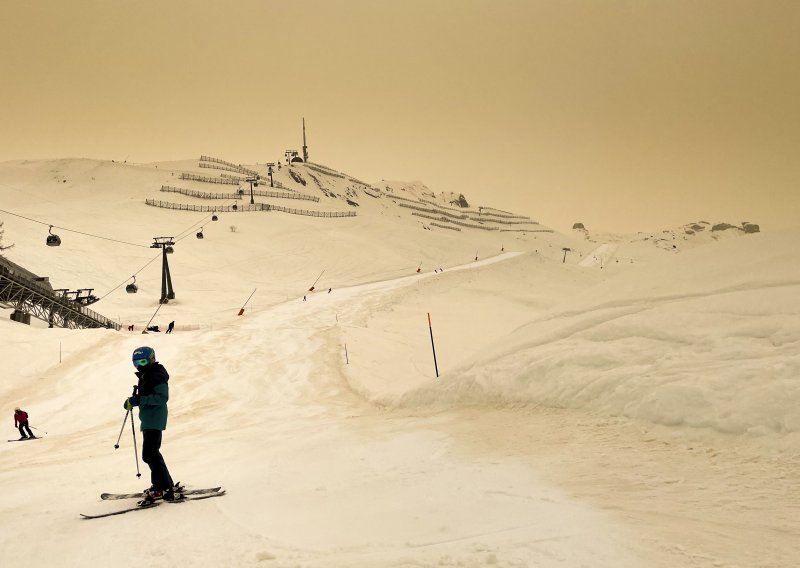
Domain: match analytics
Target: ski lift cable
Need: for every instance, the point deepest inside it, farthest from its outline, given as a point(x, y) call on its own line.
point(189, 229)
point(132, 276)
point(72, 230)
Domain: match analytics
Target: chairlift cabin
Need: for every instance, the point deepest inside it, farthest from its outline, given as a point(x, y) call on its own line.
point(234, 207)
point(132, 288)
point(200, 233)
point(53, 240)
point(214, 217)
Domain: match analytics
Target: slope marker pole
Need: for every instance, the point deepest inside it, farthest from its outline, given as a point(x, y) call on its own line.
point(152, 318)
point(241, 311)
point(315, 281)
point(433, 346)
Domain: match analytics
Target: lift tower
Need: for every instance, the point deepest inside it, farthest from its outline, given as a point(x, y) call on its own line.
point(270, 165)
point(165, 244)
point(253, 181)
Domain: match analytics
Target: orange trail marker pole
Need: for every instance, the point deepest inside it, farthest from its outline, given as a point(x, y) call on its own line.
point(315, 281)
point(435, 365)
point(241, 311)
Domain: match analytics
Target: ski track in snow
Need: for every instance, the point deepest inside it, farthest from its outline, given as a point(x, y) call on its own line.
point(288, 390)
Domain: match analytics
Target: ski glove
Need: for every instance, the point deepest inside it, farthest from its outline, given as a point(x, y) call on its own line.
point(131, 402)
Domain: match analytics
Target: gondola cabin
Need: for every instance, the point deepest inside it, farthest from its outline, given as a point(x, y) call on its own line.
point(53, 240)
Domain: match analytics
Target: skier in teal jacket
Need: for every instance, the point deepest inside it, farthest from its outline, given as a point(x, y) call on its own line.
point(151, 398)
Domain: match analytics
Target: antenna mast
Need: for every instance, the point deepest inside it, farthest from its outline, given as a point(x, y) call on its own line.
point(305, 148)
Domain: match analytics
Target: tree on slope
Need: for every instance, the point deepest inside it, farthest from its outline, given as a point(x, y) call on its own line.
point(2, 248)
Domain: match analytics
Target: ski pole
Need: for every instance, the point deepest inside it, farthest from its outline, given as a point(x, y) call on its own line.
point(133, 430)
point(35, 428)
point(135, 451)
point(116, 446)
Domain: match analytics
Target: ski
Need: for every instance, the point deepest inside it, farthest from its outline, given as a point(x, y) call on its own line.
point(122, 511)
point(25, 439)
point(195, 497)
point(110, 496)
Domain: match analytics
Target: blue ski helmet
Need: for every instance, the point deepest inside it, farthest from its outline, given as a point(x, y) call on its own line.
point(143, 356)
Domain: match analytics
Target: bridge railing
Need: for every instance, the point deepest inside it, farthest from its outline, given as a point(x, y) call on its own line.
point(22, 293)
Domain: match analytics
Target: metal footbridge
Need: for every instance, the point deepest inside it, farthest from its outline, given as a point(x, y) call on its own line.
point(32, 295)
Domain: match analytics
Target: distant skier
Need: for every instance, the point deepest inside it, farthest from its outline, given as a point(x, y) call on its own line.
point(170, 327)
point(21, 422)
point(151, 398)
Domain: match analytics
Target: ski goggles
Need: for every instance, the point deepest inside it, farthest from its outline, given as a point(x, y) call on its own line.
point(140, 362)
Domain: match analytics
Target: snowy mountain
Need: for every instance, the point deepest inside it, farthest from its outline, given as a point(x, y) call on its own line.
point(601, 400)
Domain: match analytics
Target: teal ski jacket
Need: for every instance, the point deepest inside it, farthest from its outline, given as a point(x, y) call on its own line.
point(153, 397)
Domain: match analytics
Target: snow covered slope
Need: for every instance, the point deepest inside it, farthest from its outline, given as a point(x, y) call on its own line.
point(632, 413)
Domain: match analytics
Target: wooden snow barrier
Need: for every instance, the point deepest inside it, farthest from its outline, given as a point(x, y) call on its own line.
point(429, 210)
point(220, 167)
point(207, 179)
point(200, 194)
point(245, 207)
point(230, 166)
point(258, 192)
point(435, 224)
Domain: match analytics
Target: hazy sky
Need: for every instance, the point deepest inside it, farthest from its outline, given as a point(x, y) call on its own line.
point(623, 115)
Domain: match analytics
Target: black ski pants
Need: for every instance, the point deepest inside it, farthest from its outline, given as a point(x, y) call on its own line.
point(151, 455)
point(22, 432)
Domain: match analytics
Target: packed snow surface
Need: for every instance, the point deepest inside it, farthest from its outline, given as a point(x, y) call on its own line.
point(625, 404)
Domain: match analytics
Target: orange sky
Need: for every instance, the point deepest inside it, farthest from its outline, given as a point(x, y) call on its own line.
point(623, 115)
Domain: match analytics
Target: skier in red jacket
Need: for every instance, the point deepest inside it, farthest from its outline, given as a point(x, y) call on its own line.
point(21, 418)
